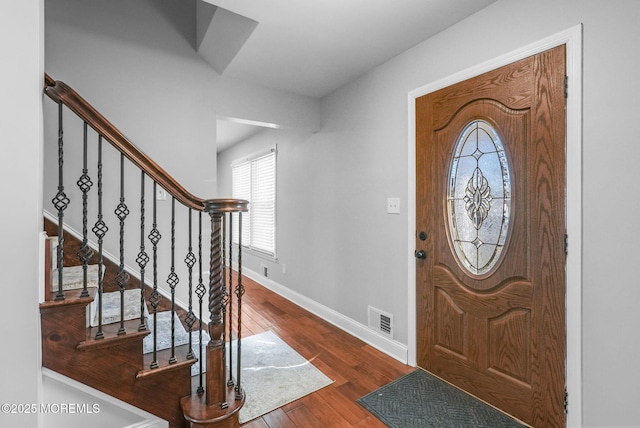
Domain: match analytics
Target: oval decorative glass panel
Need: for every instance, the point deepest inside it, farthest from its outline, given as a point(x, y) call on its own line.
point(479, 198)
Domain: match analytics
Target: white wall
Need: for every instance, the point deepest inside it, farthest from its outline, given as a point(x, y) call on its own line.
point(21, 44)
point(349, 253)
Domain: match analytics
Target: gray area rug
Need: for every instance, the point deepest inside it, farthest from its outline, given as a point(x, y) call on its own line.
point(273, 374)
point(420, 400)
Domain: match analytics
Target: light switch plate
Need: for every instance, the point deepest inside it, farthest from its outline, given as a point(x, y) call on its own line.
point(393, 205)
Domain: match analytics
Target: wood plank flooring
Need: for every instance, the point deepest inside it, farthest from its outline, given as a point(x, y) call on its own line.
point(356, 367)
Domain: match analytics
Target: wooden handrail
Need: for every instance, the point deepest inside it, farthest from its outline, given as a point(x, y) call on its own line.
point(60, 92)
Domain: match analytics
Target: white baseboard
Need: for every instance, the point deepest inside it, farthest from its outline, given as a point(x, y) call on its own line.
point(390, 347)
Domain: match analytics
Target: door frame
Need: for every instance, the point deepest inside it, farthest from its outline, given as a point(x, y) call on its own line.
point(572, 38)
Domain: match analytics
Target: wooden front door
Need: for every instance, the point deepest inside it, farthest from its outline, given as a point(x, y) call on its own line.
point(491, 224)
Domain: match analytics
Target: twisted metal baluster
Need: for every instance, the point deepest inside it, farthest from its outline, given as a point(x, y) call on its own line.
point(225, 295)
point(100, 229)
point(173, 280)
point(230, 381)
point(60, 202)
point(84, 183)
point(122, 277)
point(154, 299)
point(190, 261)
point(239, 293)
point(143, 257)
point(200, 291)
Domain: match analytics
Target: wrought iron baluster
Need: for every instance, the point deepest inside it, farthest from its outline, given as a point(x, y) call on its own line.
point(200, 291)
point(173, 280)
point(230, 270)
point(226, 297)
point(190, 261)
point(143, 257)
point(154, 299)
point(60, 202)
point(84, 183)
point(122, 278)
point(239, 292)
point(100, 229)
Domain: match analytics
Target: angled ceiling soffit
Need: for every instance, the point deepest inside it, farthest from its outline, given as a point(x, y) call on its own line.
point(220, 34)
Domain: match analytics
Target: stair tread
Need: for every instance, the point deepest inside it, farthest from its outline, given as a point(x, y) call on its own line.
point(71, 297)
point(111, 337)
point(163, 357)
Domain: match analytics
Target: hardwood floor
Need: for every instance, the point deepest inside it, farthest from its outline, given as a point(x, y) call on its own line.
point(356, 367)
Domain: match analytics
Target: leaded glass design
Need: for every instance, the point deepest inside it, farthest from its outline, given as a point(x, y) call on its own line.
point(479, 198)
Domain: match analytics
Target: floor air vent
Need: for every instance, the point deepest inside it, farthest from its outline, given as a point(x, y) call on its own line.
point(381, 322)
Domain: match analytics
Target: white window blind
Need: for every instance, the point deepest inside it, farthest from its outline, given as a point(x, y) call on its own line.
point(254, 179)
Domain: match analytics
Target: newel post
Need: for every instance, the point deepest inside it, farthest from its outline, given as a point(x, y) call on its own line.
point(216, 373)
point(221, 401)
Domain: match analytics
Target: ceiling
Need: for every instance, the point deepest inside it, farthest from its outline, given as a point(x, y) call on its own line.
point(313, 47)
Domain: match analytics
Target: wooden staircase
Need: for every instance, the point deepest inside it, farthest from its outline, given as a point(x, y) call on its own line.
point(110, 357)
point(114, 365)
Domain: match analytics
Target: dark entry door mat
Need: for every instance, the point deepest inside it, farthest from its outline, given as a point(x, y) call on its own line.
point(421, 400)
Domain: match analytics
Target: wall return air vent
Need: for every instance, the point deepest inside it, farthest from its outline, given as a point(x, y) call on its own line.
point(381, 322)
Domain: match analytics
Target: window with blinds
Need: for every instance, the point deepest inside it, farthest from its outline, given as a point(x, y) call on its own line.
point(254, 179)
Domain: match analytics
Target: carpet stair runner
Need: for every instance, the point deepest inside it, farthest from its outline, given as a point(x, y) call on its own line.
point(69, 328)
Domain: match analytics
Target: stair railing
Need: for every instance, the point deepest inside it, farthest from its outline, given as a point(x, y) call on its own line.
point(221, 397)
